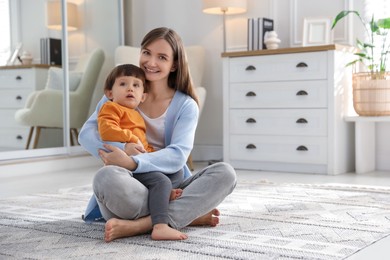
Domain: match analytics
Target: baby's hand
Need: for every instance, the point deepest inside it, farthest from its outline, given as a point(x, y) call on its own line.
point(140, 147)
point(175, 193)
point(134, 149)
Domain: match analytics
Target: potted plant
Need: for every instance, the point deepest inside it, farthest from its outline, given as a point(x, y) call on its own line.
point(371, 88)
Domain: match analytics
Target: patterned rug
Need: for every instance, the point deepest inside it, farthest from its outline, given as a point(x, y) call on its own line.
point(259, 221)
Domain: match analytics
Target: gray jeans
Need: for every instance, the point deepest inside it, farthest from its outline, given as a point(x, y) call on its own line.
point(119, 195)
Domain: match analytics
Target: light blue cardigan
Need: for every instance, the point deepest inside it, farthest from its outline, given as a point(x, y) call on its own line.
point(180, 126)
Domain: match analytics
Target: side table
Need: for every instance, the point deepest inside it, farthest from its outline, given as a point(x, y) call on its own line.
point(365, 141)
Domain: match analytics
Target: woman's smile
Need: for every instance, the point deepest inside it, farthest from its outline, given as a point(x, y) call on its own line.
point(149, 70)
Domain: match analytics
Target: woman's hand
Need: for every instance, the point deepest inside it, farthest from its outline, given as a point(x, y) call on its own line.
point(117, 157)
point(134, 149)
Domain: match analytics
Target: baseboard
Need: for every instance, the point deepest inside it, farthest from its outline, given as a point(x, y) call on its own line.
point(202, 153)
point(47, 164)
point(24, 167)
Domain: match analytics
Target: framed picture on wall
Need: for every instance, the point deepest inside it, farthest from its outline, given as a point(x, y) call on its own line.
point(317, 31)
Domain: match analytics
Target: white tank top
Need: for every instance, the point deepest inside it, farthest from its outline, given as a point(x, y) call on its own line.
point(155, 130)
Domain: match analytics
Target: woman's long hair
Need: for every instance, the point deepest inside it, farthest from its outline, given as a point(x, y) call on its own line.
point(180, 79)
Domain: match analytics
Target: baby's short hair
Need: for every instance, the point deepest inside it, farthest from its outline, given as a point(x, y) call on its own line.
point(125, 70)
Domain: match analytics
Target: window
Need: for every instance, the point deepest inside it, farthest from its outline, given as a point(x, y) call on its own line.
point(5, 32)
point(380, 9)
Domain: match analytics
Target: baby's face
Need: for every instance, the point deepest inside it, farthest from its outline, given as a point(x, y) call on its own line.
point(127, 91)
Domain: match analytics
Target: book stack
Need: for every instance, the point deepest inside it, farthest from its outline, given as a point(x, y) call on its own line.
point(257, 27)
point(51, 52)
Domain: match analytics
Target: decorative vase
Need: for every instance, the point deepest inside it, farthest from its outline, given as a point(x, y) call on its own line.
point(371, 94)
point(26, 58)
point(271, 40)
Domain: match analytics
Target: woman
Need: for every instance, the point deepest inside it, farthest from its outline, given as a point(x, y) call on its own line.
point(171, 115)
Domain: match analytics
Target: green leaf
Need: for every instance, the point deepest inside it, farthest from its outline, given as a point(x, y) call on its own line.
point(352, 63)
point(341, 15)
point(373, 25)
point(368, 45)
point(384, 23)
point(360, 54)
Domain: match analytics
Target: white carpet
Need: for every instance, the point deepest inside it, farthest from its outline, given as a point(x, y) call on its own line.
point(259, 221)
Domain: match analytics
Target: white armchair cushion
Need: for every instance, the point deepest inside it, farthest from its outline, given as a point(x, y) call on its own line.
point(55, 79)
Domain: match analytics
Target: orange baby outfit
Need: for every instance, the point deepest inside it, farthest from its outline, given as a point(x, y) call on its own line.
point(117, 123)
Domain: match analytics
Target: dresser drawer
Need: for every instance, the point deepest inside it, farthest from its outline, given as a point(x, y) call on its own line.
point(297, 66)
point(300, 122)
point(8, 118)
point(17, 78)
point(13, 98)
point(286, 149)
point(15, 138)
point(292, 94)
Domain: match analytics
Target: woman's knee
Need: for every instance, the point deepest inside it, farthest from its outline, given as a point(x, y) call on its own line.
point(108, 176)
point(225, 173)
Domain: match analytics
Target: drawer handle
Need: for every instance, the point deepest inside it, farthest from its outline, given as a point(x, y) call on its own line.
point(18, 77)
point(302, 65)
point(19, 137)
point(251, 120)
point(250, 67)
point(301, 121)
point(302, 93)
point(302, 148)
point(18, 97)
point(250, 94)
point(251, 146)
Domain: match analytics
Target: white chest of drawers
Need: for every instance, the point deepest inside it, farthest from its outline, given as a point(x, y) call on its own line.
point(283, 110)
point(16, 83)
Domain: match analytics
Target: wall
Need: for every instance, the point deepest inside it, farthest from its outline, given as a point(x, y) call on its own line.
point(195, 27)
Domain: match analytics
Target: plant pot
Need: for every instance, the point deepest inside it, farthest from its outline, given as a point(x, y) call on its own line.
point(371, 94)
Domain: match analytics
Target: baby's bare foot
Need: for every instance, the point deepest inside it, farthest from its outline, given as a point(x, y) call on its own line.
point(209, 219)
point(165, 232)
point(175, 193)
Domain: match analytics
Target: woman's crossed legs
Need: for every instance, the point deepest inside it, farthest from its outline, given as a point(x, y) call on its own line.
point(123, 200)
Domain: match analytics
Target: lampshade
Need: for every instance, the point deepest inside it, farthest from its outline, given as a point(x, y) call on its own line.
point(224, 6)
point(54, 21)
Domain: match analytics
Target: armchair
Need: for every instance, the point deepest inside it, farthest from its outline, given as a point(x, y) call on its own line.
point(195, 56)
point(44, 108)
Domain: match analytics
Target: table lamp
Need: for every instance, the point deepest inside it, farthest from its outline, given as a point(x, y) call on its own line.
point(54, 15)
point(224, 7)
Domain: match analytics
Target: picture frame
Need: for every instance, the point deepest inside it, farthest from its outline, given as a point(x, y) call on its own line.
point(317, 31)
point(15, 54)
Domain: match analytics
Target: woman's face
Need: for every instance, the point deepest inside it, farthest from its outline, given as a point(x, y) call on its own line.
point(157, 60)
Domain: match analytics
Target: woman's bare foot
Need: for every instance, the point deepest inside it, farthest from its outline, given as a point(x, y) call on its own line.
point(118, 228)
point(175, 193)
point(165, 232)
point(209, 219)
